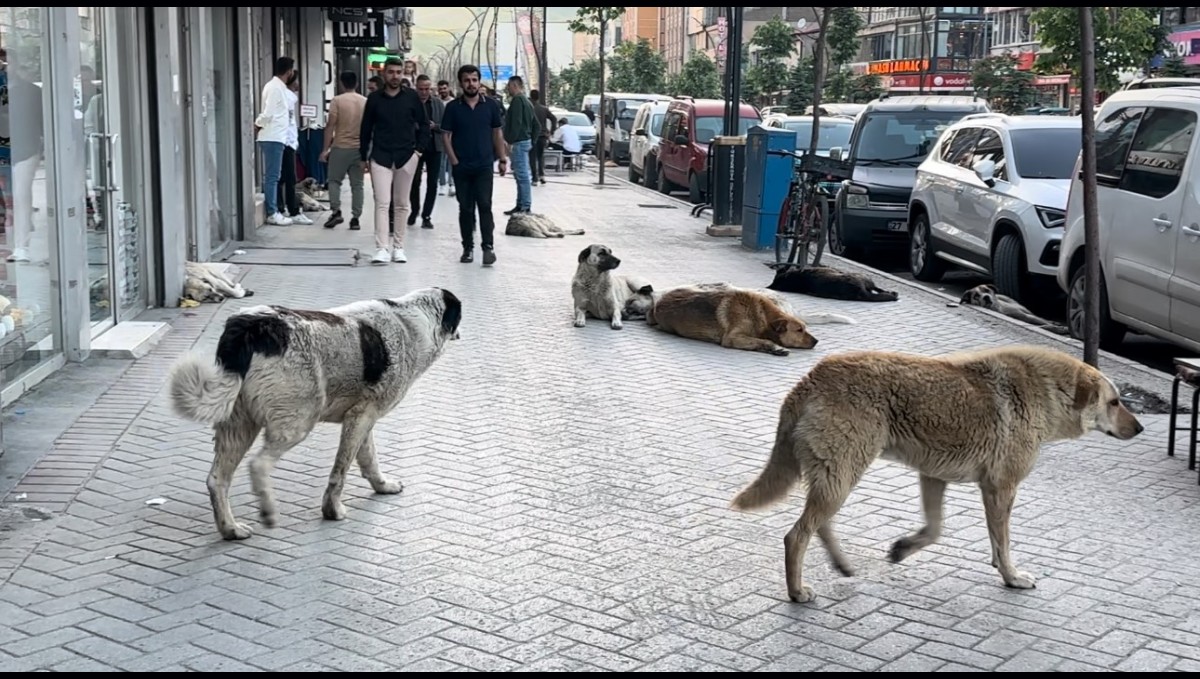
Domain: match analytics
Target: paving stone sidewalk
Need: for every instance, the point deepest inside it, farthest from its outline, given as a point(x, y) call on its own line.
point(566, 502)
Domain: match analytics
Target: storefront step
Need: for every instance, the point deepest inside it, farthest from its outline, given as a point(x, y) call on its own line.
point(129, 340)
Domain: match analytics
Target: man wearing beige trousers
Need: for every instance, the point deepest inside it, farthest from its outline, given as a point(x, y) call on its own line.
point(394, 126)
point(341, 150)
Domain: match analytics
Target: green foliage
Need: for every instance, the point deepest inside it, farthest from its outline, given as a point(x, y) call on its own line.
point(576, 81)
point(775, 45)
point(1126, 37)
point(774, 40)
point(1174, 68)
point(751, 88)
point(865, 87)
point(841, 38)
point(637, 67)
point(590, 19)
point(839, 86)
point(698, 78)
point(1007, 88)
point(801, 86)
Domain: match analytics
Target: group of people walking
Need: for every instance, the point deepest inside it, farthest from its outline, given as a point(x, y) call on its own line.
point(399, 132)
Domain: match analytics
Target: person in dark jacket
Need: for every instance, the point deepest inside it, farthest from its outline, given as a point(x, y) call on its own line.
point(394, 128)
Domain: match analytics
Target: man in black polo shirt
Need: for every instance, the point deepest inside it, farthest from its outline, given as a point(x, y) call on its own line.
point(473, 142)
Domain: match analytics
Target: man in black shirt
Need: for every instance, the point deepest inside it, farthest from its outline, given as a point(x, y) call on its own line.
point(394, 128)
point(472, 141)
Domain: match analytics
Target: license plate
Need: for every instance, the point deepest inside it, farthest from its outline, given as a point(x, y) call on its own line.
point(897, 225)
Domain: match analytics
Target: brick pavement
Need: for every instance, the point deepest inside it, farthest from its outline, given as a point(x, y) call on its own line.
point(565, 503)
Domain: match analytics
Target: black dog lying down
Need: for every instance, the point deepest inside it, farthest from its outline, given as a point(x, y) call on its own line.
point(830, 283)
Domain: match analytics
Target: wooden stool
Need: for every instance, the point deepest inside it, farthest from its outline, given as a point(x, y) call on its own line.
point(1187, 370)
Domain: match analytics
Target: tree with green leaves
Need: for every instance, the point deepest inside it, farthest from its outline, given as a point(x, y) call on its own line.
point(576, 81)
point(637, 67)
point(1007, 88)
point(774, 46)
point(698, 78)
point(595, 21)
point(842, 47)
point(1174, 67)
point(1126, 38)
point(800, 87)
point(865, 87)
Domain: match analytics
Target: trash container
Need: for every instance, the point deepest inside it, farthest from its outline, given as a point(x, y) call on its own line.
point(768, 176)
point(726, 179)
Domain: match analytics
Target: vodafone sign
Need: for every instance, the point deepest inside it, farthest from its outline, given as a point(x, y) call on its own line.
point(935, 81)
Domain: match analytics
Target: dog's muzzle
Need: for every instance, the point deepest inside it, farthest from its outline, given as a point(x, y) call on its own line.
point(609, 263)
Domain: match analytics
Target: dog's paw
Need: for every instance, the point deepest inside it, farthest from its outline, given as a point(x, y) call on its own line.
point(269, 519)
point(802, 595)
point(388, 487)
point(333, 511)
point(901, 550)
point(1020, 580)
point(579, 323)
point(236, 532)
point(780, 351)
point(249, 293)
point(616, 325)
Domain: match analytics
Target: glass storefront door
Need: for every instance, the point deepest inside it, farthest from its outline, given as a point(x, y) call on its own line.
point(220, 79)
point(111, 127)
point(30, 315)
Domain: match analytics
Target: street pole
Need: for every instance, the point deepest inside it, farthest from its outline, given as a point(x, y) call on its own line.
point(1091, 218)
point(600, 114)
point(733, 69)
point(543, 67)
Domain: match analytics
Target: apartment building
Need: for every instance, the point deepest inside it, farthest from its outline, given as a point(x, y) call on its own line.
point(1185, 35)
point(1014, 33)
point(923, 49)
point(640, 22)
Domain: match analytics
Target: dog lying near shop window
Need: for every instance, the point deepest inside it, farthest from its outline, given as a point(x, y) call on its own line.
point(207, 282)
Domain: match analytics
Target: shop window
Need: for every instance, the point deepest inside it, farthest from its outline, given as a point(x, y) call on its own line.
point(1011, 27)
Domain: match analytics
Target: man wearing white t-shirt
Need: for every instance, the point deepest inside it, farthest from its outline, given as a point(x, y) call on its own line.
point(566, 139)
point(272, 127)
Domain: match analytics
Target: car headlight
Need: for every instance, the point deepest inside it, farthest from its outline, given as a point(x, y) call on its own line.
point(856, 195)
point(1052, 218)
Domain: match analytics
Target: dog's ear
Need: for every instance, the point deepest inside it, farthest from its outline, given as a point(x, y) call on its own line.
point(987, 300)
point(779, 325)
point(584, 254)
point(452, 313)
point(966, 297)
point(1087, 389)
point(646, 290)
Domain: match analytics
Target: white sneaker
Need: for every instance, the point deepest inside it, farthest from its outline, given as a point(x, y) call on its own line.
point(441, 190)
point(398, 255)
point(381, 257)
point(19, 255)
point(278, 219)
point(301, 219)
point(452, 191)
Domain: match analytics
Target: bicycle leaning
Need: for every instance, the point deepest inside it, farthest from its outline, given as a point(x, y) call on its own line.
point(804, 215)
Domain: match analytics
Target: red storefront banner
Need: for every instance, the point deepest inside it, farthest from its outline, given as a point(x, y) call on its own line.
point(1052, 80)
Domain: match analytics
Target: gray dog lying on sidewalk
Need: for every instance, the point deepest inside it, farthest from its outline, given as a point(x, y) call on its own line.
point(530, 225)
point(986, 297)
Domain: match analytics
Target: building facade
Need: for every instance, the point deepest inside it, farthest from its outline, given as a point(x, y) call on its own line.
point(923, 49)
point(641, 23)
point(1013, 33)
point(127, 149)
point(1184, 23)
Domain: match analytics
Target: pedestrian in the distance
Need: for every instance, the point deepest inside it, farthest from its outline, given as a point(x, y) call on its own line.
point(374, 83)
point(445, 178)
point(287, 178)
point(520, 129)
point(537, 159)
point(341, 149)
point(271, 130)
point(394, 128)
point(473, 142)
point(431, 157)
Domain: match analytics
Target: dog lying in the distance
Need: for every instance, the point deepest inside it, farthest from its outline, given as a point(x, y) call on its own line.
point(207, 282)
point(830, 283)
point(970, 417)
point(309, 195)
point(986, 297)
point(529, 225)
point(281, 371)
point(731, 317)
point(812, 318)
point(599, 293)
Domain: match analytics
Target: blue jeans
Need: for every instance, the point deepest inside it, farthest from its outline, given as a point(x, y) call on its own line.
point(521, 170)
point(445, 175)
point(272, 153)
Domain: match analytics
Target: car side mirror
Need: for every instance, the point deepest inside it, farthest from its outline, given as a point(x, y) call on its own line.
point(835, 153)
point(986, 170)
point(640, 132)
point(681, 139)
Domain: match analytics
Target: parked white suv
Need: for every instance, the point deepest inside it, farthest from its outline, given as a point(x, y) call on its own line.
point(991, 197)
point(643, 145)
point(1149, 219)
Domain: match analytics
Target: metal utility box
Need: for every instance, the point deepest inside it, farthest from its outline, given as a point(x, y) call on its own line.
point(726, 179)
point(768, 176)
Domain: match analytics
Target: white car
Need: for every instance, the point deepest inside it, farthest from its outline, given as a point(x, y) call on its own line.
point(583, 127)
point(643, 146)
point(835, 131)
point(991, 197)
point(1149, 220)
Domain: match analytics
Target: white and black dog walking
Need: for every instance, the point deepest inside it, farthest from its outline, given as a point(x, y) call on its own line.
point(281, 371)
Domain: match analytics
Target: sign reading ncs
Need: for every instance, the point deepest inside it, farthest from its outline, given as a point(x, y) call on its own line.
point(898, 66)
point(365, 32)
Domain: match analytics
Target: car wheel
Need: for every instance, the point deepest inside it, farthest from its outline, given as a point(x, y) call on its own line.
point(1111, 332)
point(834, 240)
point(695, 195)
point(633, 174)
point(664, 185)
point(1008, 267)
point(650, 173)
point(922, 263)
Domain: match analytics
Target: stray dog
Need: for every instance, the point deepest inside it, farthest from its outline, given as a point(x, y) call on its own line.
point(734, 318)
point(830, 283)
point(309, 195)
point(600, 293)
point(814, 318)
point(205, 282)
point(970, 417)
point(985, 296)
point(536, 226)
point(282, 371)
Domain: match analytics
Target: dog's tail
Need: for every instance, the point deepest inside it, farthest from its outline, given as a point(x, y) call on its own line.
point(202, 391)
point(881, 295)
point(573, 232)
point(826, 318)
point(782, 470)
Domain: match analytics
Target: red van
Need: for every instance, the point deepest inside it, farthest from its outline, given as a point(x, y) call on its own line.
point(688, 129)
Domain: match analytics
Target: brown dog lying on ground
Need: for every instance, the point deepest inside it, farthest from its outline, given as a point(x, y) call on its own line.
point(734, 318)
